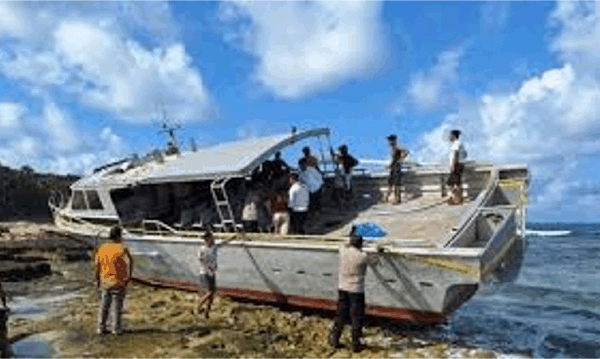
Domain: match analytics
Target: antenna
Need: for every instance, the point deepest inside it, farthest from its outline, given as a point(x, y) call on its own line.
point(169, 127)
point(193, 145)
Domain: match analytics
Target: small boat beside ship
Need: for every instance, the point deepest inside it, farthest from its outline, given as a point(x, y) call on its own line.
point(435, 256)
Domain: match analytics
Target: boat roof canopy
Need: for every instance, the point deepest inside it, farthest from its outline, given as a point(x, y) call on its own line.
point(233, 159)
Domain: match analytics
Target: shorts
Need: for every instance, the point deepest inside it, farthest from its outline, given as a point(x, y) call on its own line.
point(395, 177)
point(208, 282)
point(455, 178)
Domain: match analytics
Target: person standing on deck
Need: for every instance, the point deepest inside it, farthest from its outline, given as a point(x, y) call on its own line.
point(298, 204)
point(313, 180)
point(458, 155)
point(310, 160)
point(114, 266)
point(347, 162)
point(351, 290)
point(280, 172)
point(207, 254)
point(399, 154)
point(253, 207)
point(279, 208)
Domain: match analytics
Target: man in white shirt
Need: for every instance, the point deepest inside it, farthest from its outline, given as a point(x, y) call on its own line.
point(458, 155)
point(313, 180)
point(298, 204)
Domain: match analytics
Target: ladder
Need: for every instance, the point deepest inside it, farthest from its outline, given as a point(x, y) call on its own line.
point(217, 187)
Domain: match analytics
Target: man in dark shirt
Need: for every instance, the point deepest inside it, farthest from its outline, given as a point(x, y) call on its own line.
point(309, 159)
point(347, 162)
point(395, 179)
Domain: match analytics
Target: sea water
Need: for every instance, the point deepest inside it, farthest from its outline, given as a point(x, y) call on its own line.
point(552, 309)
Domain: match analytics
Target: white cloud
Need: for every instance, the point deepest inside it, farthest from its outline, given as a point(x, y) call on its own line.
point(27, 146)
point(579, 24)
point(60, 128)
point(11, 115)
point(307, 47)
point(427, 89)
point(12, 20)
point(88, 51)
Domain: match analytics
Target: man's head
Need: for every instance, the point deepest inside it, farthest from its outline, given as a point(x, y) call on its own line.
point(454, 135)
point(344, 149)
point(392, 139)
point(115, 233)
point(356, 240)
point(277, 155)
point(306, 151)
point(294, 178)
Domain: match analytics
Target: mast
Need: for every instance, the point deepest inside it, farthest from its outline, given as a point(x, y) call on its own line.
point(169, 127)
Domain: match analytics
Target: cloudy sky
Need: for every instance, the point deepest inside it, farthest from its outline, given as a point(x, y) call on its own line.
point(81, 83)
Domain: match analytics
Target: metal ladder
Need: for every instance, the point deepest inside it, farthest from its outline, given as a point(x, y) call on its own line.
point(217, 188)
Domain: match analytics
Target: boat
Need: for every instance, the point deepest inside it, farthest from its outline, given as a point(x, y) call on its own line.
point(433, 257)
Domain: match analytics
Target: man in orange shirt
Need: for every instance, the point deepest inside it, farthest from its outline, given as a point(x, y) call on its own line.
point(114, 267)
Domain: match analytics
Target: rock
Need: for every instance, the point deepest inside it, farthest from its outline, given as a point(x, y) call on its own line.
point(157, 304)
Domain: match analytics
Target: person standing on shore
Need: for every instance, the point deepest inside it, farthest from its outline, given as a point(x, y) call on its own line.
point(458, 155)
point(207, 254)
point(114, 267)
point(351, 290)
point(399, 154)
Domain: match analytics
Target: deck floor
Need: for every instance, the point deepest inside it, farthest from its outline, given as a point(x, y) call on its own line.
point(422, 218)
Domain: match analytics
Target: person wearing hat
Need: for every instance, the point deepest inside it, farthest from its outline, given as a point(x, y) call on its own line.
point(207, 254)
point(399, 154)
point(114, 267)
point(458, 155)
point(351, 289)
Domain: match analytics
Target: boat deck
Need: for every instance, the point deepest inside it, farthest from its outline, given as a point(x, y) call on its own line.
point(427, 219)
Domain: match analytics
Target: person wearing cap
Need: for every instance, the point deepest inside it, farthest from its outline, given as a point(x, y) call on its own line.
point(207, 254)
point(399, 154)
point(351, 289)
point(298, 202)
point(114, 267)
point(458, 155)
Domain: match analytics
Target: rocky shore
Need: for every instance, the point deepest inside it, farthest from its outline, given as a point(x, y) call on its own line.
point(162, 322)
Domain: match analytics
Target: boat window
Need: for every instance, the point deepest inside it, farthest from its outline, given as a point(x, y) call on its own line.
point(78, 201)
point(94, 200)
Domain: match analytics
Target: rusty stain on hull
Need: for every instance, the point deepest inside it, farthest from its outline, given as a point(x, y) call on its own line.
point(397, 314)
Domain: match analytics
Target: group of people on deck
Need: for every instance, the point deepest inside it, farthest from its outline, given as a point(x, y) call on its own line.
point(282, 201)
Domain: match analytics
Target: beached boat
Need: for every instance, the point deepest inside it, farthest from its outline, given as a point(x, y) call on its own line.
point(435, 257)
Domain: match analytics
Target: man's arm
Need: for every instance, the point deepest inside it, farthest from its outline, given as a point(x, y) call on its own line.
point(130, 264)
point(97, 271)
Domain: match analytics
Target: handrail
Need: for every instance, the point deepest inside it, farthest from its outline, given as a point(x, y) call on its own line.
point(478, 203)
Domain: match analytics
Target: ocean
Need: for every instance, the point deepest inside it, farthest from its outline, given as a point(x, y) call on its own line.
point(552, 309)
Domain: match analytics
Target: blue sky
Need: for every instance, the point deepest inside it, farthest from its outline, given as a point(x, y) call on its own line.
point(80, 82)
